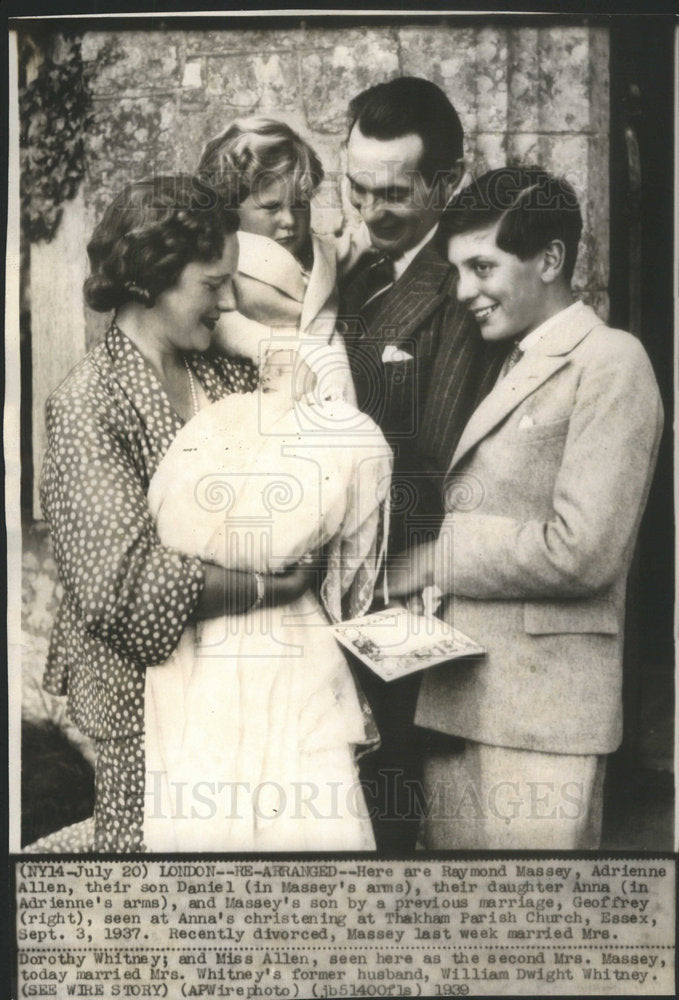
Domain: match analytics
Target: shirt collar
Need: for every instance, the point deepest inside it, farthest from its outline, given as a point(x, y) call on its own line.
point(403, 262)
point(536, 335)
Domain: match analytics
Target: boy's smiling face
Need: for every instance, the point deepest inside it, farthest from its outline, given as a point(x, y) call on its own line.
point(507, 295)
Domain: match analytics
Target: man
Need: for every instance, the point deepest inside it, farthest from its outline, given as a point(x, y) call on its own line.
point(418, 363)
point(554, 469)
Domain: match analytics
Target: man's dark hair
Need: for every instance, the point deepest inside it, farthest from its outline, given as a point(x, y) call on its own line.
point(533, 207)
point(409, 105)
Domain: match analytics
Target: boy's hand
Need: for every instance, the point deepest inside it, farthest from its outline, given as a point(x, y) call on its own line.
point(410, 572)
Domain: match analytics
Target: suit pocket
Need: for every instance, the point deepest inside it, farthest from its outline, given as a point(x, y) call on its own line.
point(597, 617)
point(541, 431)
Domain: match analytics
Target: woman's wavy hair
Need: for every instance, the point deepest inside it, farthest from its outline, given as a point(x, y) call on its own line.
point(147, 236)
point(254, 151)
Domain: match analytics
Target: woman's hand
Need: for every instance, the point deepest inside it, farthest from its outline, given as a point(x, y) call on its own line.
point(286, 587)
point(234, 592)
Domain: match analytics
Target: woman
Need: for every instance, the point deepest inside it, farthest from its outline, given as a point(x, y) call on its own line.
point(253, 722)
point(164, 265)
point(286, 280)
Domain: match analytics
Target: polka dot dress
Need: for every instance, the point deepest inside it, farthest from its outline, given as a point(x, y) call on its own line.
point(75, 839)
point(127, 598)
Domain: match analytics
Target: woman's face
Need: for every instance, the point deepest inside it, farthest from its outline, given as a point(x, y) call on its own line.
point(189, 311)
point(277, 210)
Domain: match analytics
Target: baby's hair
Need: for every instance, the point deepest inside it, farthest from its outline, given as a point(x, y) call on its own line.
point(252, 152)
point(303, 377)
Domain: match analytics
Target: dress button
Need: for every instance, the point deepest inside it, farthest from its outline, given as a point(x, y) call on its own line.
point(341, 326)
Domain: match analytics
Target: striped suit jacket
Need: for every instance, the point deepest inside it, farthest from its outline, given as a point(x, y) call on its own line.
point(422, 400)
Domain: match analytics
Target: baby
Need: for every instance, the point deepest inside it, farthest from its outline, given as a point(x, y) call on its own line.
point(284, 370)
point(265, 700)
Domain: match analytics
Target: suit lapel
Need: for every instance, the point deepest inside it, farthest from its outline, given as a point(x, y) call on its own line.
point(417, 293)
point(535, 368)
point(463, 370)
point(505, 397)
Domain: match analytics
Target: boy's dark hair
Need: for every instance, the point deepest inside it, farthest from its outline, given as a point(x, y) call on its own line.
point(533, 207)
point(409, 105)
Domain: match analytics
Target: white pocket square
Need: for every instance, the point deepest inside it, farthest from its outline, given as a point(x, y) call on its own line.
point(392, 353)
point(526, 422)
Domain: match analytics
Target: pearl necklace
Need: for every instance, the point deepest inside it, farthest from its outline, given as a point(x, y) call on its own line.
point(192, 388)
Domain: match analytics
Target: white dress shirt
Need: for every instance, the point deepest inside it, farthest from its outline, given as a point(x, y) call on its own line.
point(402, 262)
point(539, 332)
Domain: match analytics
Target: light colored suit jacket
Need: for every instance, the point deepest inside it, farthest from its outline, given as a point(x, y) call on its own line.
point(545, 494)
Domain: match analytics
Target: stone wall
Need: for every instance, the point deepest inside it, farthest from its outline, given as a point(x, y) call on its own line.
point(524, 94)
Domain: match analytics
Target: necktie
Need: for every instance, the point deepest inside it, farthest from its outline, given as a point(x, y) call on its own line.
point(365, 290)
point(361, 298)
point(512, 358)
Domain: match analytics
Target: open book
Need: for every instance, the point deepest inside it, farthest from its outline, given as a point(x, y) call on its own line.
point(395, 642)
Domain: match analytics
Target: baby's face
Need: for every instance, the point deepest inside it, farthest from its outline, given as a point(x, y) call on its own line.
point(279, 211)
point(284, 371)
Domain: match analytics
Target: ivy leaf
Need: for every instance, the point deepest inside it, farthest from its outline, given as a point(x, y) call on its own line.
point(55, 108)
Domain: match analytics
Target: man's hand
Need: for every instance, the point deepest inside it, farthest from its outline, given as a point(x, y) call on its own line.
point(410, 572)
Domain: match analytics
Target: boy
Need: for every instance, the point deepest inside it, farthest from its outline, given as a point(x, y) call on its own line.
point(544, 497)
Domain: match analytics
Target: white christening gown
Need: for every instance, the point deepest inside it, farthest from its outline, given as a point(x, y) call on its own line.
point(252, 725)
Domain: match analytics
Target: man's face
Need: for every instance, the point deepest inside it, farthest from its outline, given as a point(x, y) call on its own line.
point(505, 294)
point(387, 188)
